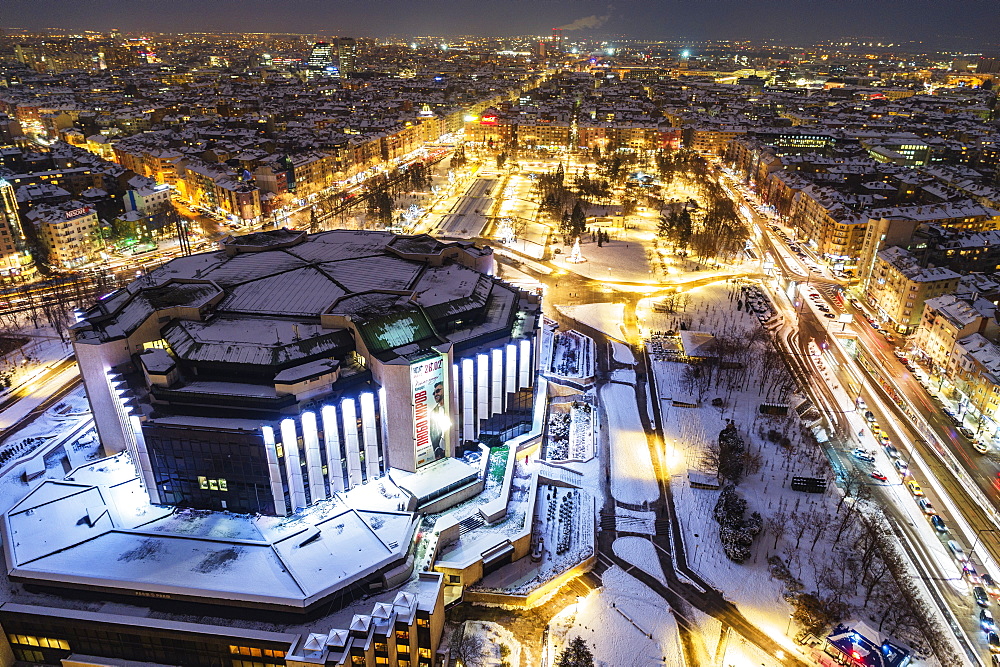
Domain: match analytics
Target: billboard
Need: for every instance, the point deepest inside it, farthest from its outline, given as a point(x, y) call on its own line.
point(429, 392)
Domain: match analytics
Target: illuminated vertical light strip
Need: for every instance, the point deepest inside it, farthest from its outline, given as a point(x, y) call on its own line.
point(468, 401)
point(496, 392)
point(482, 391)
point(314, 463)
point(383, 435)
point(524, 357)
point(143, 464)
point(510, 357)
point(369, 434)
point(293, 467)
point(350, 415)
point(274, 471)
point(334, 450)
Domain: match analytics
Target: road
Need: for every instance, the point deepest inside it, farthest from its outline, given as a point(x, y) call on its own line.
point(467, 217)
point(958, 481)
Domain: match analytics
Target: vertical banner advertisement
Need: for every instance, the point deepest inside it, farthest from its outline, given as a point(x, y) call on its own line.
point(430, 412)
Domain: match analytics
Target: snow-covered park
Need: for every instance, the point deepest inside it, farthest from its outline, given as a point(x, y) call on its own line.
point(571, 432)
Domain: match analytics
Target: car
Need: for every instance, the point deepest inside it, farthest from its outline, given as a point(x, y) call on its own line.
point(829, 315)
point(876, 429)
point(990, 585)
point(980, 447)
point(879, 476)
point(979, 594)
point(938, 524)
point(986, 621)
point(925, 506)
point(948, 412)
point(994, 641)
point(862, 455)
point(957, 551)
point(869, 416)
point(967, 432)
point(884, 439)
point(914, 488)
point(901, 466)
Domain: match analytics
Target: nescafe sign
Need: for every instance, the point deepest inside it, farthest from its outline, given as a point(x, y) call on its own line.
point(488, 120)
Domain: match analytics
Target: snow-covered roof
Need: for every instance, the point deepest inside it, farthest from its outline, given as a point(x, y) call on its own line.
point(99, 530)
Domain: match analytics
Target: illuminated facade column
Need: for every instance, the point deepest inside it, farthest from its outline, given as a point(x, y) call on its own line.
point(274, 471)
point(349, 413)
point(496, 370)
point(334, 449)
point(468, 401)
point(510, 357)
point(524, 357)
point(482, 390)
point(369, 432)
point(314, 463)
point(455, 404)
point(383, 420)
point(293, 467)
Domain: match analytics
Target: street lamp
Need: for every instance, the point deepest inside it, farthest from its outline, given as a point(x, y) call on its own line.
point(975, 542)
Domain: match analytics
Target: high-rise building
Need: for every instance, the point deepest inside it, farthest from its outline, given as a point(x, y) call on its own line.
point(321, 55)
point(13, 251)
point(557, 40)
point(346, 47)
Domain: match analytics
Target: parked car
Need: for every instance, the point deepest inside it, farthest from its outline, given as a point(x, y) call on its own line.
point(990, 585)
point(938, 524)
point(980, 447)
point(901, 467)
point(980, 596)
point(967, 432)
point(914, 488)
point(957, 551)
point(879, 476)
point(994, 641)
point(925, 506)
point(986, 621)
point(862, 455)
point(892, 451)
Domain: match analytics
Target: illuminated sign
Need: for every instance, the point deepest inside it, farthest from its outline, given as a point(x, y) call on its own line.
point(77, 212)
point(488, 120)
point(430, 411)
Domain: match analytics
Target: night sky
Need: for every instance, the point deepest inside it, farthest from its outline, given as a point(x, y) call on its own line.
point(959, 23)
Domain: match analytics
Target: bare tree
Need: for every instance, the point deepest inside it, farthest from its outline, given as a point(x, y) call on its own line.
point(778, 524)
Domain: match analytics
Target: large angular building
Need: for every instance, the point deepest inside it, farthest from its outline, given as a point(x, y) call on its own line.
point(285, 368)
point(315, 388)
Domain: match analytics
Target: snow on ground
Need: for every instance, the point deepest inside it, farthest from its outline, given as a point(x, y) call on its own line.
point(41, 349)
point(563, 533)
point(632, 479)
point(605, 317)
point(622, 353)
point(571, 432)
point(807, 540)
point(572, 355)
point(38, 393)
point(632, 521)
point(494, 644)
point(641, 553)
point(625, 260)
point(624, 623)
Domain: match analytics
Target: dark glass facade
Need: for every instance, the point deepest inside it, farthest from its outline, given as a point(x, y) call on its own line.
point(210, 469)
point(47, 638)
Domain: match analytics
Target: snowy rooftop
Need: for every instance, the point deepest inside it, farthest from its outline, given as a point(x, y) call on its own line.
point(96, 528)
point(260, 300)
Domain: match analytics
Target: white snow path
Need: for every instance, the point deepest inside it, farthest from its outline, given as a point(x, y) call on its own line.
point(632, 477)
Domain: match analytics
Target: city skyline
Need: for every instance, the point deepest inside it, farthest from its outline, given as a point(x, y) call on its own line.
point(963, 24)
